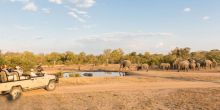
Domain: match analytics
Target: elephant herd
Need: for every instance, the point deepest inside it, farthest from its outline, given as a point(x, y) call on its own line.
point(127, 64)
point(191, 64)
point(178, 64)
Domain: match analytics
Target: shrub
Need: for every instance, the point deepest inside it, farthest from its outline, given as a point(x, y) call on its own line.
point(59, 74)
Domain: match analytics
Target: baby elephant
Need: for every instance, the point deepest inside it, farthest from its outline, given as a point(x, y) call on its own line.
point(165, 66)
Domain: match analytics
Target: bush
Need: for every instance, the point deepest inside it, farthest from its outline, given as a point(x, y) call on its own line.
point(59, 74)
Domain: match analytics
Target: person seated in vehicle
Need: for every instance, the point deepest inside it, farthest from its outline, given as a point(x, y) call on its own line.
point(32, 73)
point(19, 70)
point(39, 70)
point(3, 77)
point(10, 73)
point(10, 69)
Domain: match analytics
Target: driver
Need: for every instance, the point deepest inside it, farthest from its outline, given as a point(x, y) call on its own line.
point(40, 70)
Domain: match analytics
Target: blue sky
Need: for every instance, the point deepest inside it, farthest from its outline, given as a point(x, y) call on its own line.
point(157, 26)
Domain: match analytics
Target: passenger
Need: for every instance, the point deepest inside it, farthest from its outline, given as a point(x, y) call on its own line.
point(32, 74)
point(40, 70)
point(9, 72)
point(4, 67)
point(10, 69)
point(3, 77)
point(19, 70)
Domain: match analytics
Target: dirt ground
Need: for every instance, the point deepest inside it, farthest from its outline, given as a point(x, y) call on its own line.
point(153, 90)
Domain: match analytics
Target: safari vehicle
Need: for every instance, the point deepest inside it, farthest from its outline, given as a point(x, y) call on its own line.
point(14, 84)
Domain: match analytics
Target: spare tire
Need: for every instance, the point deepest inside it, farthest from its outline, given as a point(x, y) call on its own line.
point(15, 93)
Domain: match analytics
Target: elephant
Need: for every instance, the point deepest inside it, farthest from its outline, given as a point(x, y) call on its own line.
point(143, 67)
point(165, 66)
point(192, 64)
point(198, 66)
point(208, 64)
point(181, 64)
point(125, 64)
point(214, 63)
point(176, 63)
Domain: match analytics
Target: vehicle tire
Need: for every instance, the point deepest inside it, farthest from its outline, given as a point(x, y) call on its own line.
point(15, 93)
point(51, 86)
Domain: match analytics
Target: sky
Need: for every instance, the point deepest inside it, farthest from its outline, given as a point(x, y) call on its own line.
point(156, 26)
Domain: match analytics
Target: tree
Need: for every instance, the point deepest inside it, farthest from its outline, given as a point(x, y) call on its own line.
point(53, 58)
point(213, 55)
point(107, 55)
point(183, 53)
point(116, 55)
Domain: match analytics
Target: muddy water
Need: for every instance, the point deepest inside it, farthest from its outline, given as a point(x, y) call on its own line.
point(94, 74)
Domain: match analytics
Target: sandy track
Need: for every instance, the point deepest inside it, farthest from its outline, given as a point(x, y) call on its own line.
point(140, 91)
point(124, 87)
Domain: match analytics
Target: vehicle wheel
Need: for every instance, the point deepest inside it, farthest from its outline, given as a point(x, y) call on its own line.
point(15, 93)
point(51, 86)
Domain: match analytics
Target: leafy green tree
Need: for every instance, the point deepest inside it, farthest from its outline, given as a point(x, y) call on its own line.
point(213, 55)
point(116, 56)
point(53, 58)
point(183, 53)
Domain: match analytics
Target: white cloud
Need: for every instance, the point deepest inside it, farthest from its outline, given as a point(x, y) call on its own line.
point(30, 6)
point(187, 10)
point(56, 1)
point(20, 1)
point(76, 16)
point(79, 11)
point(46, 10)
point(83, 3)
point(128, 41)
point(206, 17)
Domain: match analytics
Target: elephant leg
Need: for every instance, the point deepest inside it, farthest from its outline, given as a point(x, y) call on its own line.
point(122, 71)
point(129, 68)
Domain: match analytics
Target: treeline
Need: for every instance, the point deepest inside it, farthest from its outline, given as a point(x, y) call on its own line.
point(28, 60)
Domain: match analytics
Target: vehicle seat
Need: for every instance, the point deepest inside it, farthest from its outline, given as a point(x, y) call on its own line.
point(23, 77)
point(11, 76)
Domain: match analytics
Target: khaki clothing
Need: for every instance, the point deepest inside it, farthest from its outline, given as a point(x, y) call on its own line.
point(3, 77)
